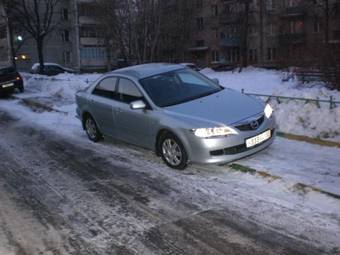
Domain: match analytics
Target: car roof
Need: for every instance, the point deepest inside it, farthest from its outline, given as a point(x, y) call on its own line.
point(147, 70)
point(188, 64)
point(35, 65)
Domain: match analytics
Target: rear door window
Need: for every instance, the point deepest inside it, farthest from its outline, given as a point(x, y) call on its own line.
point(106, 88)
point(7, 70)
point(128, 91)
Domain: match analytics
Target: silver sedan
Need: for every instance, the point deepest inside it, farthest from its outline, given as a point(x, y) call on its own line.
point(177, 112)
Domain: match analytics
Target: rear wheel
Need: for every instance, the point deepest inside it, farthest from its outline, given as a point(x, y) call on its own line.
point(173, 152)
point(91, 129)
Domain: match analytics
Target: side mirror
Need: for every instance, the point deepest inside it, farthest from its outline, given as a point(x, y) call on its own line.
point(216, 81)
point(136, 105)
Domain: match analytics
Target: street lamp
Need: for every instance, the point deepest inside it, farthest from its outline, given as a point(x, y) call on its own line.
point(20, 38)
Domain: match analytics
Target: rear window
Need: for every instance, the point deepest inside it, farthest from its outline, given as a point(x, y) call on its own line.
point(7, 70)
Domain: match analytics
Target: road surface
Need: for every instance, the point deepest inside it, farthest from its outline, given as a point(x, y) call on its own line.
point(60, 195)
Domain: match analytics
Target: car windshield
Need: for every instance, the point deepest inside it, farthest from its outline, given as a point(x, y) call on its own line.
point(178, 87)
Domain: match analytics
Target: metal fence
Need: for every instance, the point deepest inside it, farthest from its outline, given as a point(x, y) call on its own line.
point(332, 103)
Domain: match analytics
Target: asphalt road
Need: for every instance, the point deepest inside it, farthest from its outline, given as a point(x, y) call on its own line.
point(61, 197)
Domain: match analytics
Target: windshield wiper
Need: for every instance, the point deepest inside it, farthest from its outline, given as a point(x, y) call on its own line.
point(193, 98)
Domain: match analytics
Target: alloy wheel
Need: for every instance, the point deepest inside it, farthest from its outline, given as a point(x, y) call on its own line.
point(172, 152)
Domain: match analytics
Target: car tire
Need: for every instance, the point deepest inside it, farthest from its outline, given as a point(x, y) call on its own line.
point(172, 151)
point(91, 129)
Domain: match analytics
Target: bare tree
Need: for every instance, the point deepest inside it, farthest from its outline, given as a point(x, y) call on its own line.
point(244, 32)
point(36, 17)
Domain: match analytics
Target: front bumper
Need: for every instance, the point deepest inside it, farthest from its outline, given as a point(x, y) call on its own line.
point(17, 84)
point(227, 149)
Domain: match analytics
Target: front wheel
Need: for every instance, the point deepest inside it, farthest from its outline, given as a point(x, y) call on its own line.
point(173, 152)
point(92, 130)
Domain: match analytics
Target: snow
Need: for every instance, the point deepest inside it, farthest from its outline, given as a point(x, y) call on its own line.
point(300, 212)
point(310, 164)
point(285, 158)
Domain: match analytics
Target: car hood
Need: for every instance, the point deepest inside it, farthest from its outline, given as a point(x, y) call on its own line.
point(223, 108)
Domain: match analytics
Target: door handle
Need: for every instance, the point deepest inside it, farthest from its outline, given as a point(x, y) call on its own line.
point(119, 110)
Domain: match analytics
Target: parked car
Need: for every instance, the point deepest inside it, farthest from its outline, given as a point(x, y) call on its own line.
point(10, 80)
point(192, 66)
point(51, 69)
point(181, 114)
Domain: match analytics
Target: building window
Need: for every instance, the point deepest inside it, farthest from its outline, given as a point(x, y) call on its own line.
point(93, 53)
point(200, 24)
point(233, 55)
point(252, 56)
point(294, 3)
point(88, 10)
point(271, 54)
point(200, 43)
point(66, 57)
point(271, 29)
point(214, 9)
point(252, 30)
point(296, 26)
point(92, 31)
point(65, 36)
point(216, 33)
point(3, 32)
point(64, 14)
point(269, 5)
point(215, 56)
point(317, 26)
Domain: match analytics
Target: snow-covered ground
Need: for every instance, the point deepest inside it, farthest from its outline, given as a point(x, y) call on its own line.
point(276, 200)
point(289, 159)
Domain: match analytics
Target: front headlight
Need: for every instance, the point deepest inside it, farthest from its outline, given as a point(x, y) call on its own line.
point(268, 111)
point(217, 131)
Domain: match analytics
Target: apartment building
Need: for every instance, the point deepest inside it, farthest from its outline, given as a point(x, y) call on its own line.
point(76, 43)
point(274, 33)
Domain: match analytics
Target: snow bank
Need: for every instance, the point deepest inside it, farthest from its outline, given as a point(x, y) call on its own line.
point(296, 117)
point(63, 86)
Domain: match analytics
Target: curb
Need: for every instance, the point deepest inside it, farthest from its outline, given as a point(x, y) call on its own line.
point(298, 186)
point(308, 139)
point(31, 102)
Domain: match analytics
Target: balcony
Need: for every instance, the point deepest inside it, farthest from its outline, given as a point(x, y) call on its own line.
point(90, 41)
point(88, 20)
point(294, 11)
point(230, 42)
point(290, 38)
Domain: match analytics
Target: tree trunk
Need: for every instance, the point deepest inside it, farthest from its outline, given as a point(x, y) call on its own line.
point(108, 54)
point(11, 43)
point(326, 21)
point(244, 36)
point(40, 49)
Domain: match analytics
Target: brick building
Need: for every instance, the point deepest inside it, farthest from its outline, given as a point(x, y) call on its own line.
point(278, 32)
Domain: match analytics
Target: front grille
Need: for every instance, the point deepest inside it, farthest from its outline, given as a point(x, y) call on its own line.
point(248, 127)
point(236, 149)
point(230, 151)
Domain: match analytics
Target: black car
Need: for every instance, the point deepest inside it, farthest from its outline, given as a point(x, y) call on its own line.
point(10, 80)
point(51, 69)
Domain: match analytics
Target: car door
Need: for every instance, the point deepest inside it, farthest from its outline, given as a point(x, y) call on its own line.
point(103, 105)
point(133, 126)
